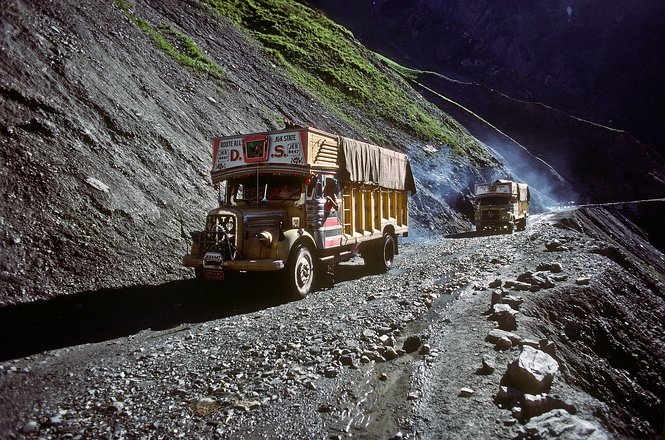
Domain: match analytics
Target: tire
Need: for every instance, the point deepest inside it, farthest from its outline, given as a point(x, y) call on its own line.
point(300, 271)
point(385, 253)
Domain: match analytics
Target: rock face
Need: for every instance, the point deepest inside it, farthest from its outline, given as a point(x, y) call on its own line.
point(105, 152)
point(532, 372)
point(560, 424)
point(516, 57)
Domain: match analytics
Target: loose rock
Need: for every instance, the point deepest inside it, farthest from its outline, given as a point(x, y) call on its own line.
point(532, 372)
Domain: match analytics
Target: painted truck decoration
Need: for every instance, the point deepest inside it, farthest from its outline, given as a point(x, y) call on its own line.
point(501, 205)
point(300, 201)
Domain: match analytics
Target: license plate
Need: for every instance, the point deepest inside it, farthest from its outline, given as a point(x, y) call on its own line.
point(213, 274)
point(213, 256)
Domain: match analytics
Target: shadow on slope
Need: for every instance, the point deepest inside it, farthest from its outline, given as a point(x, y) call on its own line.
point(95, 316)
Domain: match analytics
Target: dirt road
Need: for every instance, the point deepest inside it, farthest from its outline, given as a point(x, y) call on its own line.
point(376, 356)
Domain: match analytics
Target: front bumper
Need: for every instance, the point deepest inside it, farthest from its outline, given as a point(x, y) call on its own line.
point(263, 265)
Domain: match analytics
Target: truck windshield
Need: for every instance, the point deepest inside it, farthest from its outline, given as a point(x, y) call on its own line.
point(494, 201)
point(267, 188)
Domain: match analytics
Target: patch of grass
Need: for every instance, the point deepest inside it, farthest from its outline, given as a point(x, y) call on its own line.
point(330, 63)
point(176, 44)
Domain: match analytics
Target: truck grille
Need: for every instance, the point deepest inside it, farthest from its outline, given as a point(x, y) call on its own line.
point(220, 235)
point(491, 214)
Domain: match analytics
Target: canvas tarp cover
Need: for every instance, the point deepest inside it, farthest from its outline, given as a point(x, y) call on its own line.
point(367, 163)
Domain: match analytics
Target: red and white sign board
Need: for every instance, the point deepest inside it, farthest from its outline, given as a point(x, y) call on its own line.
point(284, 148)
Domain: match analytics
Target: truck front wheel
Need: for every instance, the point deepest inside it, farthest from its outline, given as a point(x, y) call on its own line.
point(300, 272)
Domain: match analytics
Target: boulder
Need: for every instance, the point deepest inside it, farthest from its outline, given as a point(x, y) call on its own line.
point(532, 372)
point(562, 425)
point(505, 316)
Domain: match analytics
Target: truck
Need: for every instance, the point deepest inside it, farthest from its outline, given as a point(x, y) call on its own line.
point(502, 205)
point(299, 201)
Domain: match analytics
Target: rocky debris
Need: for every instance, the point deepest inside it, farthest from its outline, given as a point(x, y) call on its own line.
point(505, 316)
point(494, 284)
point(560, 424)
point(466, 392)
point(539, 279)
point(532, 372)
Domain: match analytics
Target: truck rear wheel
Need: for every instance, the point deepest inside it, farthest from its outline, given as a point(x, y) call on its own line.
point(384, 254)
point(300, 272)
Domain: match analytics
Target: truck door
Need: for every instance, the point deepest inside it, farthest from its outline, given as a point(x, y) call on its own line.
point(324, 212)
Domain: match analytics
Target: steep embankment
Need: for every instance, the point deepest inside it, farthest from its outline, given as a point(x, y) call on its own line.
point(108, 108)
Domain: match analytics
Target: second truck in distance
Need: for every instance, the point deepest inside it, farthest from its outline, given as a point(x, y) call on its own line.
point(501, 206)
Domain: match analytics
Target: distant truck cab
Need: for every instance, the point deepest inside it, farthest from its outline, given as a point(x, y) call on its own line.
point(301, 200)
point(501, 206)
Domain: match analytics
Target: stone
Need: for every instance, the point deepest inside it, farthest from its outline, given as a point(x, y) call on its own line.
point(487, 366)
point(466, 392)
point(583, 281)
point(494, 284)
point(503, 344)
point(496, 334)
point(524, 287)
point(388, 341)
point(390, 354)
point(330, 372)
point(537, 404)
point(497, 296)
point(31, 426)
point(554, 245)
point(246, 406)
point(508, 395)
point(425, 349)
point(513, 301)
point(412, 343)
point(204, 406)
point(505, 316)
point(347, 359)
point(556, 267)
point(547, 346)
point(560, 424)
point(97, 184)
point(533, 372)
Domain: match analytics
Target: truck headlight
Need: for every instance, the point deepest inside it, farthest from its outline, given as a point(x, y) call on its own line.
point(265, 238)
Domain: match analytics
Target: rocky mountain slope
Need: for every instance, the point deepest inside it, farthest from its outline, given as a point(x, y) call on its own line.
point(108, 108)
point(576, 84)
point(552, 332)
